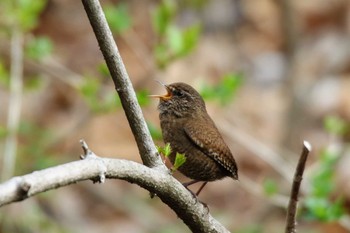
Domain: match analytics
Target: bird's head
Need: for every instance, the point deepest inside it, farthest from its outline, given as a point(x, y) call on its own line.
point(181, 100)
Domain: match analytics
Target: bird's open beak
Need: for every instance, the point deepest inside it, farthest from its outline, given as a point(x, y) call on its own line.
point(167, 96)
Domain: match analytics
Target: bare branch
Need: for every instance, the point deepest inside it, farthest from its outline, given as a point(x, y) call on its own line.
point(15, 104)
point(153, 176)
point(122, 84)
point(168, 189)
point(293, 201)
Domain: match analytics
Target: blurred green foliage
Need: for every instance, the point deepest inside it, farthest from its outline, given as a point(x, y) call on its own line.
point(3, 131)
point(103, 69)
point(33, 83)
point(225, 90)
point(336, 125)
point(155, 131)
point(322, 203)
point(250, 229)
point(21, 13)
point(4, 75)
point(163, 16)
point(319, 204)
point(98, 100)
point(38, 48)
point(270, 187)
point(173, 42)
point(118, 17)
point(34, 153)
point(32, 219)
point(143, 97)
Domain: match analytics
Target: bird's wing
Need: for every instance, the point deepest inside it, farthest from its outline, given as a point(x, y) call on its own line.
point(212, 144)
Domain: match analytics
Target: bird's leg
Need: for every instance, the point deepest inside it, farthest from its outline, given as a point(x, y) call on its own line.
point(190, 183)
point(195, 195)
point(186, 184)
point(200, 189)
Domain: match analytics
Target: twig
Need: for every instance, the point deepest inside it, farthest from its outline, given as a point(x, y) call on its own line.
point(293, 201)
point(166, 187)
point(15, 104)
point(147, 149)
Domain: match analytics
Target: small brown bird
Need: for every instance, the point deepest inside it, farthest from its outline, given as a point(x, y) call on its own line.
point(189, 129)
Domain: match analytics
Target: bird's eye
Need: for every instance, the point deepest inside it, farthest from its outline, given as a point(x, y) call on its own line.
point(178, 93)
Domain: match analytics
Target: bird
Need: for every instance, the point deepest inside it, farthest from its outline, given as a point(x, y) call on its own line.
point(188, 128)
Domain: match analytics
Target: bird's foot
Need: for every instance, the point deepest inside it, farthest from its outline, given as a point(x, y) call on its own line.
point(186, 184)
point(195, 195)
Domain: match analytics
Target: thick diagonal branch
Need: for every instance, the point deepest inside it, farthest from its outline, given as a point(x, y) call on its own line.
point(122, 83)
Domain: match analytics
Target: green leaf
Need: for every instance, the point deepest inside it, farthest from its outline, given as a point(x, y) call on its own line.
point(118, 17)
point(165, 150)
point(180, 159)
point(270, 187)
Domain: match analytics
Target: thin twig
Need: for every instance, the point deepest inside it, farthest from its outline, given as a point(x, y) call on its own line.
point(109, 49)
point(293, 201)
point(15, 104)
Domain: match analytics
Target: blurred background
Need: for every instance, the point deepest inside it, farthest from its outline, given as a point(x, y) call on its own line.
point(273, 73)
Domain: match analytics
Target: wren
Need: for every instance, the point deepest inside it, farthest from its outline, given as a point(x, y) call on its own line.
point(189, 129)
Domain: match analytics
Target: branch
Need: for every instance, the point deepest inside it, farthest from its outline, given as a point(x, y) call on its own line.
point(109, 49)
point(153, 175)
point(293, 201)
point(95, 168)
point(15, 104)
